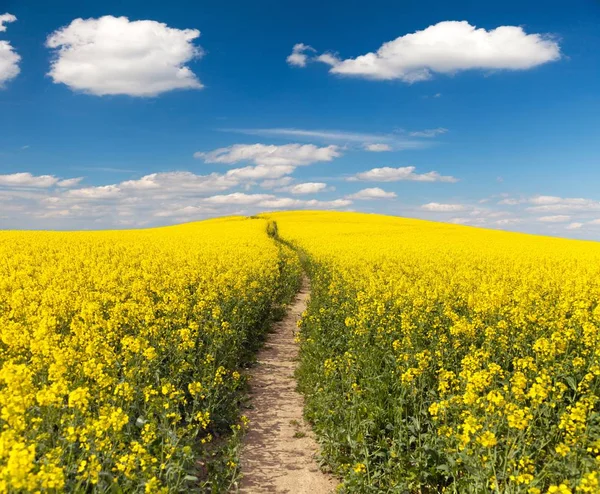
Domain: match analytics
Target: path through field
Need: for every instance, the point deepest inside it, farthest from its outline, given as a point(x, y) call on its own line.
point(279, 448)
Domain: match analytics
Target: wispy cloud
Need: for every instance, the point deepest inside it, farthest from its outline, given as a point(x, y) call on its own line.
point(427, 133)
point(395, 141)
point(389, 174)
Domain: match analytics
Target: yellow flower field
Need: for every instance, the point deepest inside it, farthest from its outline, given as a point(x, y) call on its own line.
point(438, 357)
point(435, 357)
point(119, 352)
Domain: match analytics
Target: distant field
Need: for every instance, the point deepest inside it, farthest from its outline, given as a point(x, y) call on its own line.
point(434, 357)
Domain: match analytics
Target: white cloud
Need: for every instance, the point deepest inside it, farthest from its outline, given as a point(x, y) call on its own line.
point(112, 55)
point(182, 182)
point(69, 182)
point(372, 193)
point(27, 180)
point(287, 203)
point(298, 56)
point(260, 172)
point(574, 226)
point(102, 192)
point(9, 59)
point(271, 155)
point(443, 208)
point(4, 19)
point(428, 132)
point(378, 148)
point(306, 188)
point(559, 218)
point(388, 174)
point(395, 140)
point(449, 47)
point(553, 204)
point(238, 198)
point(594, 222)
point(272, 201)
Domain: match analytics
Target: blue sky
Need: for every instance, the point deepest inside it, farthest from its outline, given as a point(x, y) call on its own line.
point(490, 121)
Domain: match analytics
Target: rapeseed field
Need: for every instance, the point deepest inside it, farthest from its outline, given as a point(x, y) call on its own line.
point(444, 358)
point(434, 357)
point(119, 352)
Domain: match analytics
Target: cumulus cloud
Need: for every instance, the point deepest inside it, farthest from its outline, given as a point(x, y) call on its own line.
point(271, 155)
point(9, 59)
point(28, 180)
point(378, 147)
point(113, 55)
point(287, 203)
point(446, 48)
point(372, 193)
point(428, 132)
point(102, 192)
point(443, 208)
point(298, 57)
point(47, 201)
point(306, 188)
point(559, 218)
point(389, 174)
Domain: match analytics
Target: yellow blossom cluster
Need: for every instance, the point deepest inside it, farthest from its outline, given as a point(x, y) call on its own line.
point(119, 351)
point(476, 354)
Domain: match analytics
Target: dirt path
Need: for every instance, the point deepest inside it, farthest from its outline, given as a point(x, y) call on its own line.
point(279, 448)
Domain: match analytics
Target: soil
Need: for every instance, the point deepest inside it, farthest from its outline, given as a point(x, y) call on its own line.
point(279, 449)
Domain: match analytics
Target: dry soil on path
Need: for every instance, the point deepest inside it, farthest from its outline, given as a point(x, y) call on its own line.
point(278, 453)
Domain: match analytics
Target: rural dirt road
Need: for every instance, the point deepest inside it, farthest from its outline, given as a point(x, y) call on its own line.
point(278, 454)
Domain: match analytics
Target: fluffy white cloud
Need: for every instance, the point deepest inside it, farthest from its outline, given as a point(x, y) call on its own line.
point(559, 218)
point(102, 192)
point(113, 55)
point(271, 155)
point(306, 188)
point(9, 59)
point(428, 132)
point(372, 193)
point(443, 208)
point(446, 48)
point(378, 148)
point(389, 174)
point(5, 19)
point(27, 180)
point(298, 57)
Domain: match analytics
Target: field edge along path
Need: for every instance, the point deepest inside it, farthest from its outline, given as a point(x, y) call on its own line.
point(278, 451)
